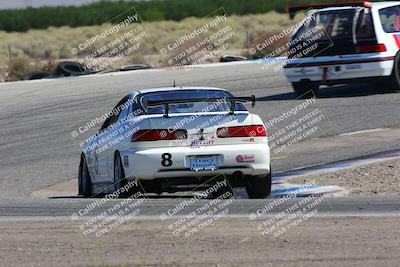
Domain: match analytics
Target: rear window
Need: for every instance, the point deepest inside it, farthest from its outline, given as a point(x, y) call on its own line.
point(190, 107)
point(339, 24)
point(390, 19)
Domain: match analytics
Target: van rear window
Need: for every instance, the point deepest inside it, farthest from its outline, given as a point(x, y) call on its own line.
point(339, 24)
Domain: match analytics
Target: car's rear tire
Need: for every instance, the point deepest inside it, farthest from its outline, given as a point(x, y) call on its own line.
point(84, 180)
point(393, 82)
point(119, 174)
point(305, 87)
point(259, 186)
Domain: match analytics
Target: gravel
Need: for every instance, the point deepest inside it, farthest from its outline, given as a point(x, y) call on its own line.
point(375, 179)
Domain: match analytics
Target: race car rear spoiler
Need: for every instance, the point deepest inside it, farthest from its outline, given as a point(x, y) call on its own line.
point(292, 10)
point(232, 100)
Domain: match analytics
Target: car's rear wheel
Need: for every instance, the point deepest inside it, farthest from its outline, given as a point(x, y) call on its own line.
point(84, 180)
point(393, 82)
point(119, 174)
point(305, 87)
point(259, 186)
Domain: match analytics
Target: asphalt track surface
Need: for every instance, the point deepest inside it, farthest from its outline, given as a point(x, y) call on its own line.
point(64, 210)
point(37, 150)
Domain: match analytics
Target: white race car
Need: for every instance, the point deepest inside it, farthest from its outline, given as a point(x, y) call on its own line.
point(168, 137)
point(355, 41)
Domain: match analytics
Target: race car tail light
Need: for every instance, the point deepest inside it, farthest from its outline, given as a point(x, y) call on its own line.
point(242, 131)
point(158, 135)
point(372, 48)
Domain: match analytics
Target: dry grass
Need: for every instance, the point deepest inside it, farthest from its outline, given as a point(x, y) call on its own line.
point(56, 43)
point(22, 65)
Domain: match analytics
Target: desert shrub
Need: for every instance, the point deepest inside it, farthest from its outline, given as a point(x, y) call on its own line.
point(19, 67)
point(57, 42)
point(272, 48)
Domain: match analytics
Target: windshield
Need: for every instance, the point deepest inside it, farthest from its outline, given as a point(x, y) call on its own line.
point(190, 107)
point(338, 24)
point(390, 19)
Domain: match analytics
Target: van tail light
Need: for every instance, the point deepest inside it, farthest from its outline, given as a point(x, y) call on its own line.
point(242, 131)
point(158, 135)
point(372, 48)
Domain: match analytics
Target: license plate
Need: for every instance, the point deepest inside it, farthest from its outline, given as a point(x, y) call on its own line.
point(204, 163)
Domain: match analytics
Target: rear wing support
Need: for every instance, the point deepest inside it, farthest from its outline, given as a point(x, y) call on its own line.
point(232, 100)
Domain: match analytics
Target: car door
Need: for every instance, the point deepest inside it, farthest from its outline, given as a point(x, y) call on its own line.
point(118, 131)
point(100, 151)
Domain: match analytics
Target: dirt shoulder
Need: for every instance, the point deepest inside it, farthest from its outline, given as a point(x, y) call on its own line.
point(375, 179)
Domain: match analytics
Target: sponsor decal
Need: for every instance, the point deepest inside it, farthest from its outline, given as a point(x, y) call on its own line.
point(246, 158)
point(202, 142)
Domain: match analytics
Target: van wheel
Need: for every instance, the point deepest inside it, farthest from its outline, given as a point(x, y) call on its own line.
point(305, 87)
point(259, 186)
point(393, 82)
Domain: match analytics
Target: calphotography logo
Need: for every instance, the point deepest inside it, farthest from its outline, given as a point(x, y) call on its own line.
point(191, 217)
point(199, 133)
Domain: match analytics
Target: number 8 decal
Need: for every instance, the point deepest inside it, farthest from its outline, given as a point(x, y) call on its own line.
point(166, 160)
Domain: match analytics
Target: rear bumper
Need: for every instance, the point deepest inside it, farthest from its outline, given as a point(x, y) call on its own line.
point(340, 70)
point(146, 164)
